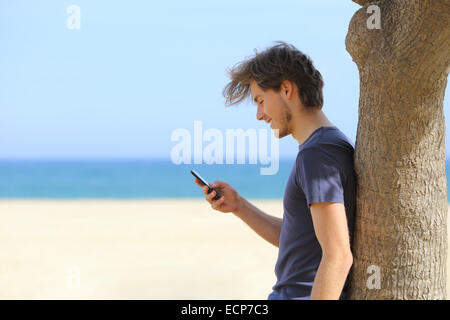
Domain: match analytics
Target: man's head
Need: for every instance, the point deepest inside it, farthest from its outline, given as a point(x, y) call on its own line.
point(282, 81)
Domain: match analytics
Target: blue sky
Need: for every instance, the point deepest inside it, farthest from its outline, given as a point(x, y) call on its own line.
point(138, 70)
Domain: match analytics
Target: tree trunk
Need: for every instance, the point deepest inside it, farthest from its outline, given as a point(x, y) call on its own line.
point(401, 221)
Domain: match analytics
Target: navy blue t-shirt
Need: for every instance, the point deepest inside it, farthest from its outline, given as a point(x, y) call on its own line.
point(323, 172)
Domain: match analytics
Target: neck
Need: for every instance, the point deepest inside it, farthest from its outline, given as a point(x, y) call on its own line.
point(306, 122)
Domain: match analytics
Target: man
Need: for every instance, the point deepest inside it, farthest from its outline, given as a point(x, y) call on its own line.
point(314, 236)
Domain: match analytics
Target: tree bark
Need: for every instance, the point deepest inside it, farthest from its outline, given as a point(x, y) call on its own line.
point(401, 220)
point(362, 2)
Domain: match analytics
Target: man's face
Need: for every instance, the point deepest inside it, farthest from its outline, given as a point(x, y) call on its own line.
point(272, 108)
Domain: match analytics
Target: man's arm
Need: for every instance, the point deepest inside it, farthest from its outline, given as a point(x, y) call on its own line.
point(330, 226)
point(267, 226)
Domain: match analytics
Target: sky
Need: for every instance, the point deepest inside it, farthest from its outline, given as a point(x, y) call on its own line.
point(136, 71)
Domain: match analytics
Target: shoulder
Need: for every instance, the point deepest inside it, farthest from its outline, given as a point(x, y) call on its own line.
point(332, 147)
point(316, 162)
point(308, 160)
point(310, 155)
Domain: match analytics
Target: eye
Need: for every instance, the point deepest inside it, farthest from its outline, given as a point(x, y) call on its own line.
point(261, 102)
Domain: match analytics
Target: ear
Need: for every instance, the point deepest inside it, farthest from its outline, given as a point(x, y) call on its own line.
point(287, 89)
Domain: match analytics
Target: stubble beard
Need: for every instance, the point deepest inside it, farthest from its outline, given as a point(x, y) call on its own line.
point(286, 125)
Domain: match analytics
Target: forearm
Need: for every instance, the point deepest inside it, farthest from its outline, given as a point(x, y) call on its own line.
point(267, 226)
point(330, 278)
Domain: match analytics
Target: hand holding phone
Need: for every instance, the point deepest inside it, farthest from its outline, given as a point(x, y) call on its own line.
point(205, 183)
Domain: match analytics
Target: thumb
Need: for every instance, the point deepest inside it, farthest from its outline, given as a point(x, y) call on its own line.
point(219, 184)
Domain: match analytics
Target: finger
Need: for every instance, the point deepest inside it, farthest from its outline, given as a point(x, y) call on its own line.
point(198, 182)
point(219, 184)
point(216, 204)
point(205, 189)
point(210, 196)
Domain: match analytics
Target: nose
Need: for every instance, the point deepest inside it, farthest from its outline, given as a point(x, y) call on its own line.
point(260, 113)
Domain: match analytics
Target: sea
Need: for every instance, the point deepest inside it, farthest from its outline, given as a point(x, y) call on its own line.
point(128, 179)
point(134, 179)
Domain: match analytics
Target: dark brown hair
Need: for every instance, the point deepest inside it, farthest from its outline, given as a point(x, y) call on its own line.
point(269, 69)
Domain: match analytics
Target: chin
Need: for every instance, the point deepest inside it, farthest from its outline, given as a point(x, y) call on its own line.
point(280, 133)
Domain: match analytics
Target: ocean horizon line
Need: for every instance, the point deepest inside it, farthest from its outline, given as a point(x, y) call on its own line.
point(137, 159)
point(133, 179)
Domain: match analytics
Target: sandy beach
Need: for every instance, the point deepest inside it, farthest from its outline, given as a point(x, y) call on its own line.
point(120, 249)
point(131, 249)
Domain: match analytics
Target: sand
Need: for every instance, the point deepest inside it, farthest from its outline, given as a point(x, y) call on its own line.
point(120, 249)
point(131, 249)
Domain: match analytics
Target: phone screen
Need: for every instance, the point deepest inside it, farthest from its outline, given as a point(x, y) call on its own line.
point(205, 183)
point(195, 174)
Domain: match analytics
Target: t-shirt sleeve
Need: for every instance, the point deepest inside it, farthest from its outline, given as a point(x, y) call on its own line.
point(320, 177)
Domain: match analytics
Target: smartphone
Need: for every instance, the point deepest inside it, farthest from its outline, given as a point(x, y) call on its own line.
point(205, 183)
